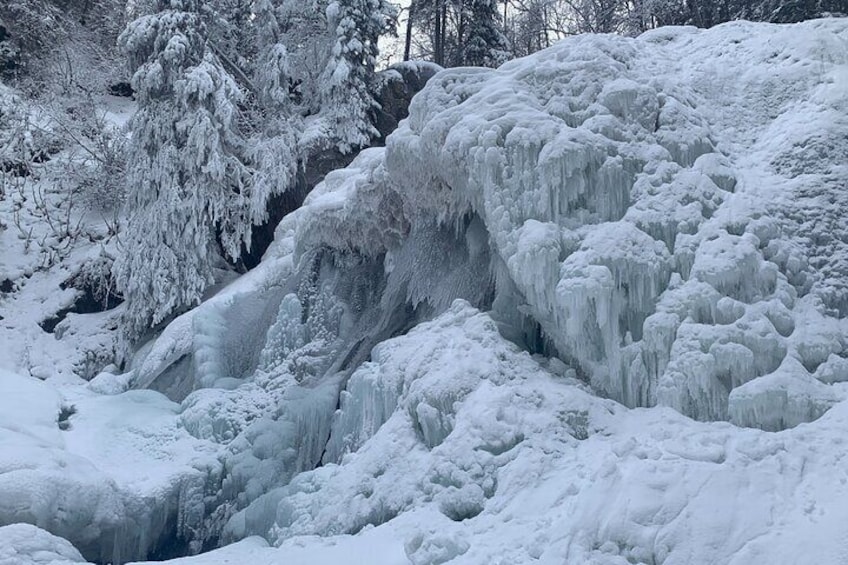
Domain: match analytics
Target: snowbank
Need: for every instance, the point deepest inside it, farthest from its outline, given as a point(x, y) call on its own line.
point(23, 544)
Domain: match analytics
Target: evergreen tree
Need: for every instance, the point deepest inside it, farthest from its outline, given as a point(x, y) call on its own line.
point(459, 32)
point(485, 44)
point(347, 99)
point(309, 42)
point(188, 184)
point(790, 11)
point(272, 72)
point(273, 147)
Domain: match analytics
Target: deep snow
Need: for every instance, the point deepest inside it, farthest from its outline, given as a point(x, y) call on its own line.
point(586, 308)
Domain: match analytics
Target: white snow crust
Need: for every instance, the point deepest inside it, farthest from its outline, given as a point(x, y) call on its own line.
point(24, 544)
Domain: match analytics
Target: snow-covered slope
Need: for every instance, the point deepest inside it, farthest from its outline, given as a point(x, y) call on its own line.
point(483, 455)
point(590, 307)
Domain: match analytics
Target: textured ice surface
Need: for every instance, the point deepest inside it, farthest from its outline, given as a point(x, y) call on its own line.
point(647, 235)
point(626, 207)
point(411, 392)
point(529, 466)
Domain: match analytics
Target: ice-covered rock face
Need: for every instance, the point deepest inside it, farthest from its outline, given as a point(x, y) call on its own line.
point(639, 226)
point(645, 212)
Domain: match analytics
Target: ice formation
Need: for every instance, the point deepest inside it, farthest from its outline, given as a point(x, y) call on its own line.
point(457, 447)
point(589, 307)
point(598, 200)
point(606, 177)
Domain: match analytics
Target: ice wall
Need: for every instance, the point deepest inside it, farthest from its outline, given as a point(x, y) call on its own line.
point(260, 368)
point(641, 227)
point(629, 206)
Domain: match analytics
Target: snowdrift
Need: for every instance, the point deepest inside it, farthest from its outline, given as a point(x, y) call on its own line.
point(590, 307)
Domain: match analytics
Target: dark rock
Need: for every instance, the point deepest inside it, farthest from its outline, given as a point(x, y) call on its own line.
point(95, 295)
point(400, 83)
point(281, 204)
point(65, 416)
point(16, 168)
point(97, 288)
point(49, 324)
point(123, 89)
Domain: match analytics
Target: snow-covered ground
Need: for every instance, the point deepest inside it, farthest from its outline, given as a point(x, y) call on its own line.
point(48, 235)
point(591, 307)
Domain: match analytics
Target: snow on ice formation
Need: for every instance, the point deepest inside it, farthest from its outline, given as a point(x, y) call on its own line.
point(630, 217)
point(24, 544)
point(478, 453)
point(589, 307)
point(112, 474)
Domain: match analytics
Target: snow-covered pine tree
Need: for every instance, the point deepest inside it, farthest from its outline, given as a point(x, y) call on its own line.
point(346, 94)
point(304, 31)
point(273, 147)
point(790, 11)
point(272, 72)
point(485, 44)
point(188, 184)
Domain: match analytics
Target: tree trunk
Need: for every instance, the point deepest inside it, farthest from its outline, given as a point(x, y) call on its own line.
point(407, 45)
point(444, 31)
point(438, 39)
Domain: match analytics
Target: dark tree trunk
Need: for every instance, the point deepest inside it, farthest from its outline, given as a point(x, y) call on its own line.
point(438, 39)
point(407, 45)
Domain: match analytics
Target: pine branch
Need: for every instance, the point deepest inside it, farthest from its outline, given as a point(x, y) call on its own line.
point(234, 69)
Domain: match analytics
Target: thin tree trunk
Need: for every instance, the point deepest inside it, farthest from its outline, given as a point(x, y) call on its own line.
point(233, 69)
point(460, 36)
point(438, 55)
point(407, 46)
point(444, 30)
